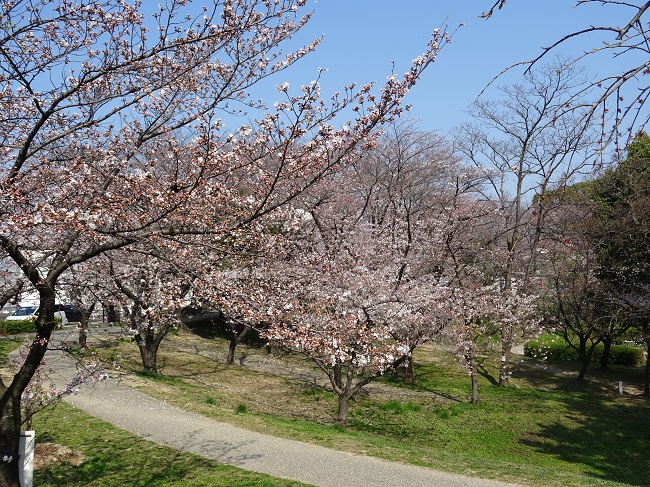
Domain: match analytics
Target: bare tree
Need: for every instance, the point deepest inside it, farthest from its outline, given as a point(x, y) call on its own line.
point(526, 144)
point(621, 95)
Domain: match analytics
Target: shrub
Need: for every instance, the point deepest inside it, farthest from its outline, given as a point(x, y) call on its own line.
point(550, 347)
point(18, 326)
point(621, 355)
point(556, 348)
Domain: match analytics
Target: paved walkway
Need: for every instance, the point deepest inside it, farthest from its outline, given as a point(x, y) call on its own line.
point(157, 421)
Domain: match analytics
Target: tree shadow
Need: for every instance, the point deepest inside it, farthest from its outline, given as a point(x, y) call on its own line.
point(611, 438)
point(606, 433)
point(483, 372)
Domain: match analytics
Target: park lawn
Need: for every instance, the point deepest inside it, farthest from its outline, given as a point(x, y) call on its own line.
point(111, 457)
point(546, 430)
point(7, 345)
point(114, 458)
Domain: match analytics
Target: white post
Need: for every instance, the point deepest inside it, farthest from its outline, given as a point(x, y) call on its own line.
point(26, 451)
point(620, 387)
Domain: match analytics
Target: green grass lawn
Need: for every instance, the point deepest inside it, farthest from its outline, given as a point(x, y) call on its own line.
point(545, 430)
point(115, 458)
point(7, 345)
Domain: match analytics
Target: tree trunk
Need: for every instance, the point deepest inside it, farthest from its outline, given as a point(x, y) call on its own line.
point(148, 346)
point(474, 375)
point(342, 391)
point(149, 358)
point(85, 314)
point(111, 314)
point(409, 371)
point(607, 346)
point(230, 359)
point(9, 437)
point(237, 332)
point(342, 415)
point(83, 335)
point(583, 370)
point(10, 416)
point(646, 334)
point(585, 357)
point(504, 368)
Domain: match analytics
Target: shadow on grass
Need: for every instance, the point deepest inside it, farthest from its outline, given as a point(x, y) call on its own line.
point(115, 458)
point(175, 471)
point(562, 376)
point(484, 372)
point(610, 437)
point(99, 468)
point(607, 433)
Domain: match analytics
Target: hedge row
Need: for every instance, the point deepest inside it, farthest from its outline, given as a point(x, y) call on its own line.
point(18, 326)
point(555, 348)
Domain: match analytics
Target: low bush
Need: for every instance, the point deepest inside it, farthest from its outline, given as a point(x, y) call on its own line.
point(18, 326)
point(556, 348)
point(550, 347)
point(621, 355)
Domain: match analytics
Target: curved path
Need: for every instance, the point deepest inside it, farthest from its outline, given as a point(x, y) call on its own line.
point(157, 421)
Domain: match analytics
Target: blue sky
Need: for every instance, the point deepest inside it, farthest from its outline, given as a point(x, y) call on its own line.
point(363, 36)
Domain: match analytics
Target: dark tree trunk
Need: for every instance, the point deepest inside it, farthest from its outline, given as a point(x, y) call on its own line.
point(230, 359)
point(583, 370)
point(409, 371)
point(149, 356)
point(585, 356)
point(237, 333)
point(9, 436)
point(342, 415)
point(83, 325)
point(83, 335)
point(111, 314)
point(474, 375)
point(148, 342)
point(10, 416)
point(607, 346)
point(646, 335)
point(342, 390)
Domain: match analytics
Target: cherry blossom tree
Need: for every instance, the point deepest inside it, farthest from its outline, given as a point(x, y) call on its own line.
point(151, 292)
point(112, 134)
point(463, 256)
point(402, 184)
point(84, 287)
point(338, 312)
point(360, 293)
point(526, 145)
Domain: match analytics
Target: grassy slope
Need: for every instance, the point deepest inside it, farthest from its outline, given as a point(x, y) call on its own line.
point(115, 458)
point(547, 430)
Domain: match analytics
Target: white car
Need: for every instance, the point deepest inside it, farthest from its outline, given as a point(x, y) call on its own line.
point(31, 312)
point(23, 313)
